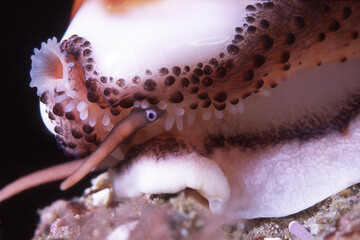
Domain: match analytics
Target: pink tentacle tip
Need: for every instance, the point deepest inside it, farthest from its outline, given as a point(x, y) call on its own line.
point(300, 231)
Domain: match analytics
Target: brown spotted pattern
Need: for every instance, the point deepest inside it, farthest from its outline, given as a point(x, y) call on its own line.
point(310, 126)
point(273, 40)
point(160, 147)
point(73, 135)
point(267, 46)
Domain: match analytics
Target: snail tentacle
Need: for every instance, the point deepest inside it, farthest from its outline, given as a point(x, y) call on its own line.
point(122, 130)
point(40, 177)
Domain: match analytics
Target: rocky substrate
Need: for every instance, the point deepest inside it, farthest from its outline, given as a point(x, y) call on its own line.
point(96, 215)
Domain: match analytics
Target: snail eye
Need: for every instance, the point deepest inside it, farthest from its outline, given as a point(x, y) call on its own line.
point(151, 115)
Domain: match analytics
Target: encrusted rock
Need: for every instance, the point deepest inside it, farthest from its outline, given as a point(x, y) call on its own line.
point(97, 215)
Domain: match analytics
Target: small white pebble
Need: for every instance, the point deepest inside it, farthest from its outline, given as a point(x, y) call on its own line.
point(101, 198)
point(300, 231)
point(122, 232)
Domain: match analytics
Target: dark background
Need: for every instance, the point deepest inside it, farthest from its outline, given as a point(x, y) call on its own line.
point(25, 144)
